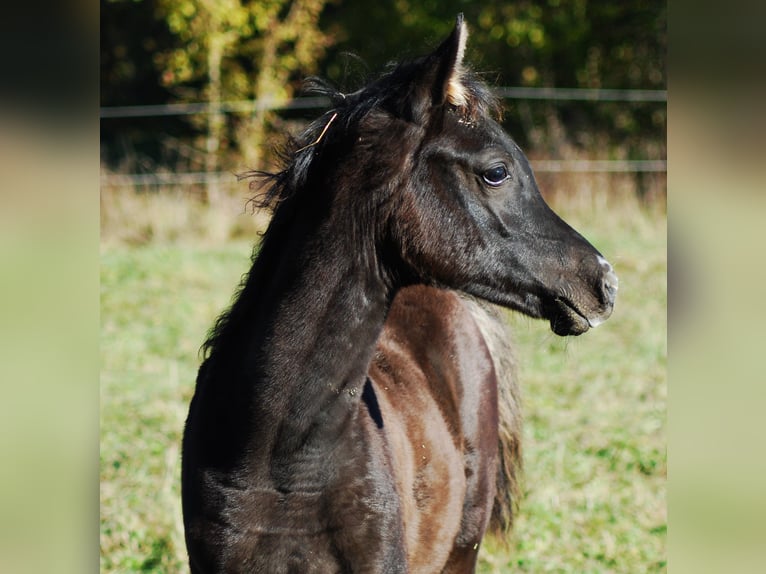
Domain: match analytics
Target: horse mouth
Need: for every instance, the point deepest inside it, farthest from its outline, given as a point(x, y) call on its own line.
point(566, 319)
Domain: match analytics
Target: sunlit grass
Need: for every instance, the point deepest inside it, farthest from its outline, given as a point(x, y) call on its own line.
point(156, 304)
point(594, 405)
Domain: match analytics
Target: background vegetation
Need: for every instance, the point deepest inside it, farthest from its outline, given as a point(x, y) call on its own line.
point(171, 255)
point(180, 51)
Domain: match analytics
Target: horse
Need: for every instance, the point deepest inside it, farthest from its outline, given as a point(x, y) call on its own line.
point(357, 409)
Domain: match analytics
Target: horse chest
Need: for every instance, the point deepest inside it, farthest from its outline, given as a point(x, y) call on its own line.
point(427, 475)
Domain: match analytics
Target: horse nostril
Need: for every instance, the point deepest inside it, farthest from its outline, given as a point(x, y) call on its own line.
point(611, 285)
point(609, 282)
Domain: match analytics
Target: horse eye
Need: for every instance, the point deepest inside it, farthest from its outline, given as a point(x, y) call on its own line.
point(496, 175)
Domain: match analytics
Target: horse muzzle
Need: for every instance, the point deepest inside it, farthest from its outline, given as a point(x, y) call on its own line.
point(569, 317)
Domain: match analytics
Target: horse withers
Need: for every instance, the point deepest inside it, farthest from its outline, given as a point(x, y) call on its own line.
point(356, 410)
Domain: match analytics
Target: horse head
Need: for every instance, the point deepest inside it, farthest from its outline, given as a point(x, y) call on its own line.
point(470, 215)
point(452, 199)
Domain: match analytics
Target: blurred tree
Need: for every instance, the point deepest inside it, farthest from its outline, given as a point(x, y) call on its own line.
point(219, 40)
point(156, 51)
point(533, 43)
point(131, 33)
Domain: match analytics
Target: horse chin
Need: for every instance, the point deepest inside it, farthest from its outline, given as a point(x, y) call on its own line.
point(566, 320)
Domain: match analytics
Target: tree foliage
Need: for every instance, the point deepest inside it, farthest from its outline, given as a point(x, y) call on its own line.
point(533, 43)
point(260, 43)
point(213, 51)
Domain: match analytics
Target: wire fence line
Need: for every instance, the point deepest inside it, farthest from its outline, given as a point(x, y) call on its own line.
point(583, 94)
point(302, 103)
point(600, 166)
point(242, 106)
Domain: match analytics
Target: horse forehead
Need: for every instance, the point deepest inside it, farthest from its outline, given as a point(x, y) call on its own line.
point(474, 137)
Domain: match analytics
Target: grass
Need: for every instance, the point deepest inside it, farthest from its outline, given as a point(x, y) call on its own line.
point(157, 303)
point(595, 405)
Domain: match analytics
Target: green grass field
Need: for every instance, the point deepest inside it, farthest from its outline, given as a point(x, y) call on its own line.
point(595, 406)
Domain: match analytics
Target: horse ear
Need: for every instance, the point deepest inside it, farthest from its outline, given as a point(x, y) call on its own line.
point(438, 78)
point(448, 86)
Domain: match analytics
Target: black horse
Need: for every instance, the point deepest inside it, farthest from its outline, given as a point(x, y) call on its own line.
point(353, 412)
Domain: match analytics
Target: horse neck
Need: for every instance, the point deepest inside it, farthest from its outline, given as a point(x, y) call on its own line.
point(318, 306)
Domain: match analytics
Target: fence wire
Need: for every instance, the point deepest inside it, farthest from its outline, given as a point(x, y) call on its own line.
point(303, 103)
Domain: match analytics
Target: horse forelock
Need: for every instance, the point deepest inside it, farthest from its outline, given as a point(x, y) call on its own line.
point(472, 98)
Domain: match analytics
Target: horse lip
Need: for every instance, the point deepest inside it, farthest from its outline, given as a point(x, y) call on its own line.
point(574, 322)
point(595, 322)
point(598, 319)
point(569, 310)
